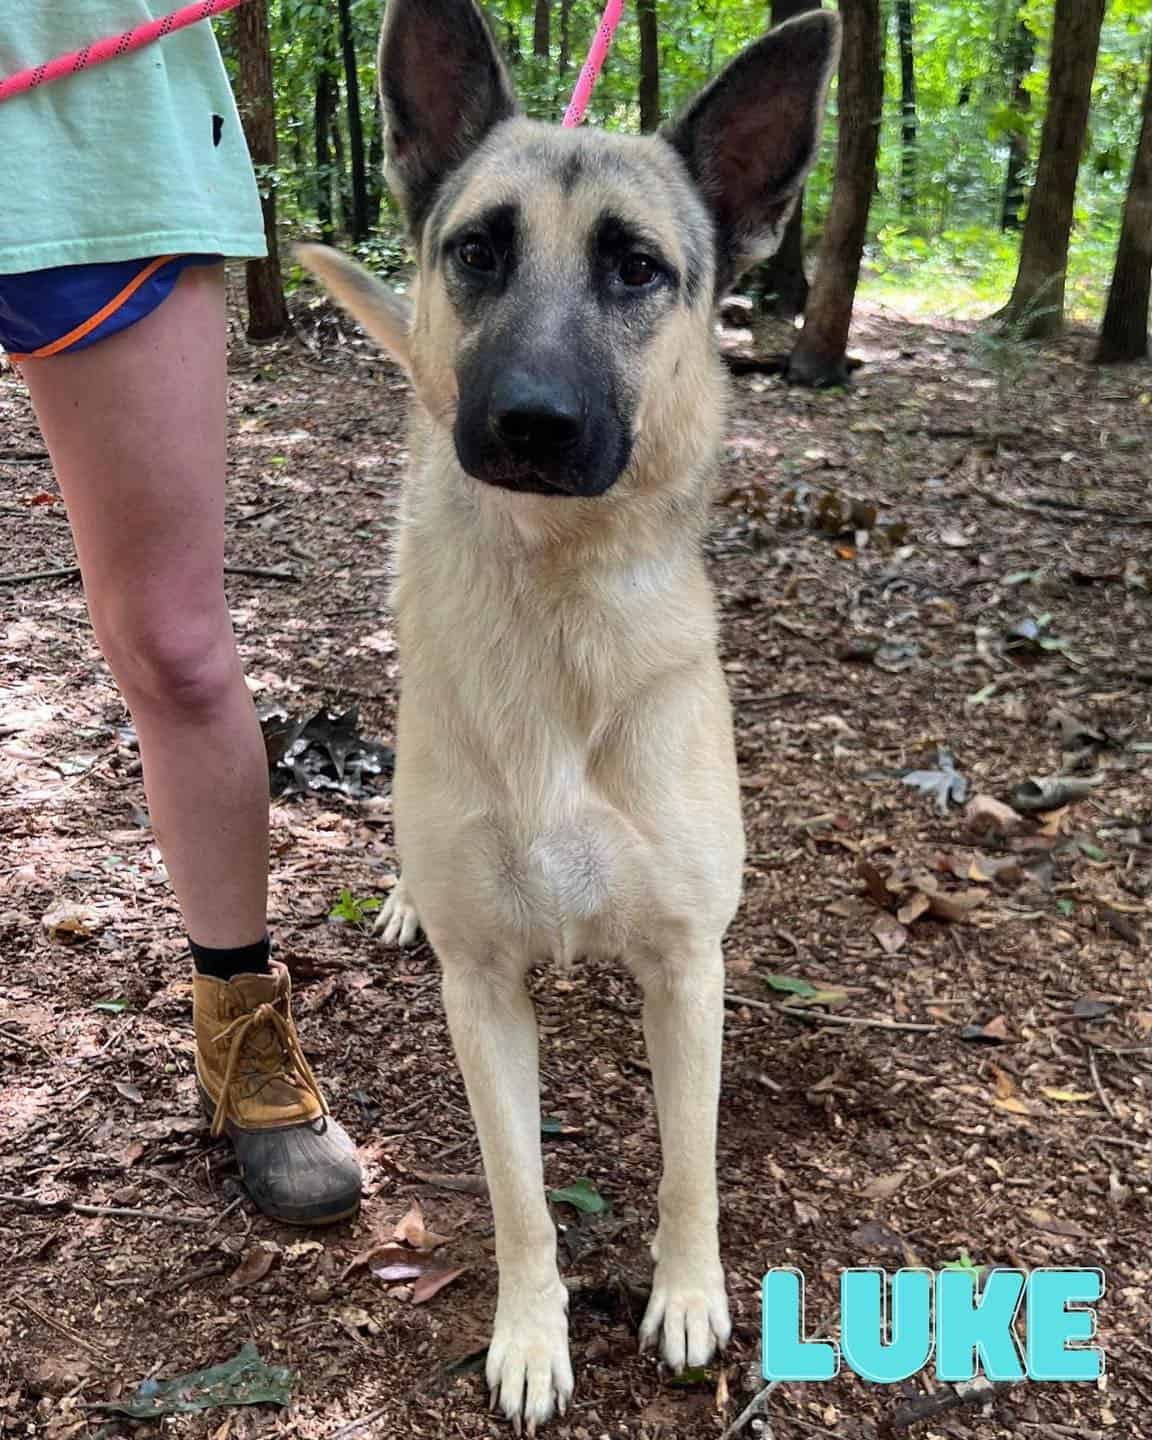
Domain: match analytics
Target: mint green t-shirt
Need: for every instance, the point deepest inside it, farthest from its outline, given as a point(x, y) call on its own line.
point(141, 156)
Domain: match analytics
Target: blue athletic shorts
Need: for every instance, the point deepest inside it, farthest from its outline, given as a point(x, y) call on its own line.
point(48, 312)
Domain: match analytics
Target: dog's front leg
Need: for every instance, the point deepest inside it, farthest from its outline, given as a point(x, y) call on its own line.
point(683, 1028)
point(493, 1027)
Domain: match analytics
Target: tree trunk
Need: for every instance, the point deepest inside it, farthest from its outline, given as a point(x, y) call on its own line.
point(779, 283)
point(542, 30)
point(1036, 309)
point(376, 164)
point(564, 59)
point(649, 65)
point(819, 357)
point(1124, 334)
point(1022, 54)
point(267, 310)
point(323, 114)
point(907, 108)
point(512, 42)
point(359, 226)
point(338, 168)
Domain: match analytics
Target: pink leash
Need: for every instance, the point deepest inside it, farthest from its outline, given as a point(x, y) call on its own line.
point(112, 47)
point(594, 63)
point(116, 45)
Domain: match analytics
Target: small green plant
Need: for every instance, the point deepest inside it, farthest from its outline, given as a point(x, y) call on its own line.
point(350, 909)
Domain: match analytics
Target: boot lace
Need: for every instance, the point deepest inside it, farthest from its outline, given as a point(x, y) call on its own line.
point(295, 1070)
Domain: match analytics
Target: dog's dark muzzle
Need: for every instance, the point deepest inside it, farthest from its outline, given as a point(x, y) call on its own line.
point(539, 431)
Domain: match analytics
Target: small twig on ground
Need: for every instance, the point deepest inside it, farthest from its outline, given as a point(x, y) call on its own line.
point(119, 1212)
point(807, 1425)
point(228, 1209)
point(260, 514)
point(362, 1423)
point(205, 1272)
point(926, 1407)
point(752, 1409)
point(59, 1325)
point(263, 572)
point(814, 1017)
point(1104, 1100)
point(28, 577)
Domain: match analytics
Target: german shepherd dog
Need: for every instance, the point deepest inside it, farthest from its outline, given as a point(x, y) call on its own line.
point(566, 781)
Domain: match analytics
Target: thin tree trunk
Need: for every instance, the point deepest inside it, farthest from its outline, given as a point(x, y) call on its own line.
point(512, 42)
point(1023, 52)
point(323, 112)
point(542, 31)
point(1124, 334)
point(1036, 309)
point(359, 226)
point(267, 309)
point(649, 92)
point(376, 163)
point(779, 283)
point(564, 58)
point(819, 357)
point(338, 167)
point(907, 108)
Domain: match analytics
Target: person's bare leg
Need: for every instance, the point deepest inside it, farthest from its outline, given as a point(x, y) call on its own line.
point(136, 426)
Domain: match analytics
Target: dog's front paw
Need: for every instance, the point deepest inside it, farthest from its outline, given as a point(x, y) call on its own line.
point(529, 1372)
point(398, 923)
point(688, 1314)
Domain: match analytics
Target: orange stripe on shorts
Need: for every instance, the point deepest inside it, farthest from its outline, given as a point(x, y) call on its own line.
point(87, 326)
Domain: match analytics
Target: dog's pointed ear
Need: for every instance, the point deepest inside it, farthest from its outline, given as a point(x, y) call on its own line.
point(750, 138)
point(384, 314)
point(443, 86)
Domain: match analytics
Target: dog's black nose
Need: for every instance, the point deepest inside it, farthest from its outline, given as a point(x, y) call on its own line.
point(537, 417)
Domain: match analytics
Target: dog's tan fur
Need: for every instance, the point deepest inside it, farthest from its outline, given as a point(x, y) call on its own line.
point(566, 780)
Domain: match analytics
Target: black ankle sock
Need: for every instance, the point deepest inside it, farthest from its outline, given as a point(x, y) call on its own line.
point(224, 964)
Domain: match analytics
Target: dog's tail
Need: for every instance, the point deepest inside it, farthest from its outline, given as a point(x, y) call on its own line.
point(385, 315)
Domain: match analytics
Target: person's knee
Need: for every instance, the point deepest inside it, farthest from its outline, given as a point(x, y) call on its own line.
point(180, 663)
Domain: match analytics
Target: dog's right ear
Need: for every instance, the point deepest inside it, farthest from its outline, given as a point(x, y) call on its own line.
point(385, 316)
point(443, 86)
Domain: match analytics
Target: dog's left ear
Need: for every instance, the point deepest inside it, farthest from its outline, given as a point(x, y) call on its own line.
point(750, 138)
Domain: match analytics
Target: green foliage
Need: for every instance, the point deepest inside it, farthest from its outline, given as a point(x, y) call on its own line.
point(350, 909)
point(948, 252)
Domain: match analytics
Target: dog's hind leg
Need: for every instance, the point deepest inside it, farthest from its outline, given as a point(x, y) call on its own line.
point(493, 1025)
point(683, 1029)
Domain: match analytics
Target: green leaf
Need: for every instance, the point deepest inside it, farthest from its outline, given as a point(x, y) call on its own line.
point(1066, 907)
point(791, 985)
point(582, 1195)
point(243, 1380)
point(112, 1007)
point(965, 1262)
point(551, 1125)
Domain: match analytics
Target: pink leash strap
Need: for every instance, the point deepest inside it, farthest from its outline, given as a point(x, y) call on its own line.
point(112, 47)
point(592, 66)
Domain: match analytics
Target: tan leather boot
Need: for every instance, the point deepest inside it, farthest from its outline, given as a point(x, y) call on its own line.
point(298, 1164)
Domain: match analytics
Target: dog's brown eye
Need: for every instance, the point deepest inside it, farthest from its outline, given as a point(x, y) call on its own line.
point(638, 270)
point(477, 255)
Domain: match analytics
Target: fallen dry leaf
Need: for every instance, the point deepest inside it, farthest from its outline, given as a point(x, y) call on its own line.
point(889, 933)
point(883, 1187)
point(984, 815)
point(68, 922)
point(432, 1282)
point(254, 1265)
point(1068, 1097)
point(411, 1231)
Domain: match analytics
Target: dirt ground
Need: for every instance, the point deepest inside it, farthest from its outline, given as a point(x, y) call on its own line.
point(940, 1030)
